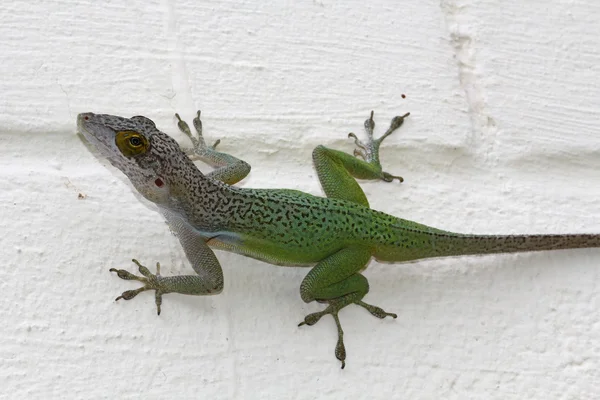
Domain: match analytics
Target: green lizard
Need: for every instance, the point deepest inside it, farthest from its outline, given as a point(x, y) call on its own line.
point(337, 235)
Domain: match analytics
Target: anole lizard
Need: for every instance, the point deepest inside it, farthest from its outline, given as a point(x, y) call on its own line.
point(337, 235)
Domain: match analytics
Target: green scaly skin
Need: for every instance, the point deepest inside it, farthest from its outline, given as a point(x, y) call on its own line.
point(337, 235)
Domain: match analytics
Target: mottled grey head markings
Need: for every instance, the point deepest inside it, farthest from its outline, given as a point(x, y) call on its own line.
point(143, 121)
point(151, 159)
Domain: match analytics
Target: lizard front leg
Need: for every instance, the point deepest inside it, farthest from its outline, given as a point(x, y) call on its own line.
point(230, 169)
point(209, 278)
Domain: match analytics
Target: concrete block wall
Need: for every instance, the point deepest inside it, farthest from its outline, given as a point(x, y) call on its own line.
point(503, 138)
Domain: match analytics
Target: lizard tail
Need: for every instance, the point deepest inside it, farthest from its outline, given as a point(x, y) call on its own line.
point(456, 244)
point(424, 242)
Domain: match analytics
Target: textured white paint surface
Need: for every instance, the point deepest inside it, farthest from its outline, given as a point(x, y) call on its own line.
point(503, 138)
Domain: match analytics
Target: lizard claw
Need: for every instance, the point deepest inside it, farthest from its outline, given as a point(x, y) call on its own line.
point(389, 178)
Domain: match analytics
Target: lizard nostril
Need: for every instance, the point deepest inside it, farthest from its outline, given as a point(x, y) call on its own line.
point(86, 117)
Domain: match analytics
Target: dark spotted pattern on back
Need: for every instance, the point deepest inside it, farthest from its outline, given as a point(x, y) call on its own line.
point(281, 224)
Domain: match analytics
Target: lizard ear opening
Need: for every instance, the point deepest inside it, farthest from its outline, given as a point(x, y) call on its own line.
point(155, 189)
point(131, 143)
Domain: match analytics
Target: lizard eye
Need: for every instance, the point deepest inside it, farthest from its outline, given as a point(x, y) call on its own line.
point(131, 143)
point(135, 141)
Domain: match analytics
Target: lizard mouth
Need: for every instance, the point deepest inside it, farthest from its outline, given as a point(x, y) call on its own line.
point(98, 137)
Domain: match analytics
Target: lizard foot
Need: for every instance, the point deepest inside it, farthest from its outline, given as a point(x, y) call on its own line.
point(228, 169)
point(151, 282)
point(311, 319)
point(375, 311)
point(333, 309)
point(199, 145)
point(370, 151)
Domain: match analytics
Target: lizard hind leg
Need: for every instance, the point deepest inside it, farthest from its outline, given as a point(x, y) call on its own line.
point(370, 151)
point(337, 170)
point(337, 282)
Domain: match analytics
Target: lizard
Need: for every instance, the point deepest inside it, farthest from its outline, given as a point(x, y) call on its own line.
point(336, 235)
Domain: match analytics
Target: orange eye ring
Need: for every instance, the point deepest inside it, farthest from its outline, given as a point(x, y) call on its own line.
point(131, 143)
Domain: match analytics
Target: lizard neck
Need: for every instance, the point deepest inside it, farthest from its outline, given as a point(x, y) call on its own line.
point(197, 199)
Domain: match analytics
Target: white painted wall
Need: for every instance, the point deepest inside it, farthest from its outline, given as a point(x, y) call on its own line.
point(503, 138)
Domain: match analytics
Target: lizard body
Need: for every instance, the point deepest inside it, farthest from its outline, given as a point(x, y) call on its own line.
point(337, 234)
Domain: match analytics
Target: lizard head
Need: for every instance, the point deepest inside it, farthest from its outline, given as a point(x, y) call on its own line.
point(147, 156)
